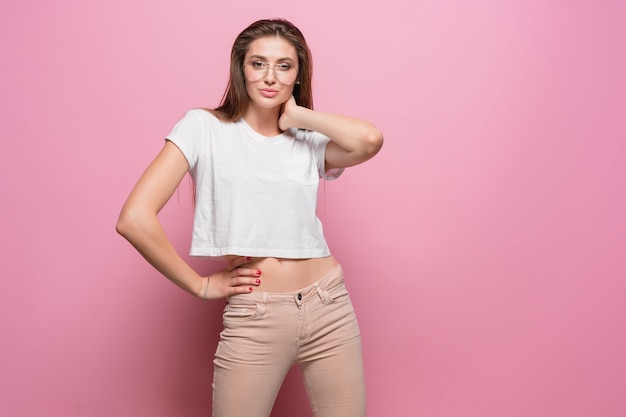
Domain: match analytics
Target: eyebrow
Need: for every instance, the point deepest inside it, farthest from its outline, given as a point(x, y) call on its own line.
point(262, 58)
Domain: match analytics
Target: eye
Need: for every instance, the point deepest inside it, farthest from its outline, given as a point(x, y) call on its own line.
point(283, 67)
point(259, 64)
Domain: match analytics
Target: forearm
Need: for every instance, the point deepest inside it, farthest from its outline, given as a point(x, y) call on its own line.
point(146, 234)
point(359, 138)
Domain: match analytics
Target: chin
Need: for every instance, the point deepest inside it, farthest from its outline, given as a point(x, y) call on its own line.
point(270, 103)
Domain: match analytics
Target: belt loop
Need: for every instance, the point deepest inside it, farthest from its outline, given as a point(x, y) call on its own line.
point(261, 305)
point(323, 293)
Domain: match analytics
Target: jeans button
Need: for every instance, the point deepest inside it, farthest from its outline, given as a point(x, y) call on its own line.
point(299, 297)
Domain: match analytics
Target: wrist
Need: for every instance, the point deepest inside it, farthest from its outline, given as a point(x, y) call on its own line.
point(294, 117)
point(300, 117)
point(204, 288)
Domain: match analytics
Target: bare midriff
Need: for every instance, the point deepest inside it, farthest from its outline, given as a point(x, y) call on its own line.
point(286, 275)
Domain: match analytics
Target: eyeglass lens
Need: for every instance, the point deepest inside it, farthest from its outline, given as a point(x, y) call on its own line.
point(257, 70)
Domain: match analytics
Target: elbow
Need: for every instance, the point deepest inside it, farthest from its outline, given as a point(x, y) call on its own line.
point(122, 226)
point(125, 225)
point(371, 142)
point(374, 140)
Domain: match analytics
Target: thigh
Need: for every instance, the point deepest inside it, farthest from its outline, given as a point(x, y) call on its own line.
point(254, 354)
point(335, 383)
point(241, 390)
point(333, 367)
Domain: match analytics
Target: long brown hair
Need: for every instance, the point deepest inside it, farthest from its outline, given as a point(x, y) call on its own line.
point(235, 100)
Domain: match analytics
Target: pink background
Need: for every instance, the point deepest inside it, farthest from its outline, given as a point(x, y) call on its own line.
point(484, 246)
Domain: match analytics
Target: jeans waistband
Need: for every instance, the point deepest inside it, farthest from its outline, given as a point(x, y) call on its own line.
point(318, 289)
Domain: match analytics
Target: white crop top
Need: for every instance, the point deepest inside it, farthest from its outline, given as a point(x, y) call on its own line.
point(255, 195)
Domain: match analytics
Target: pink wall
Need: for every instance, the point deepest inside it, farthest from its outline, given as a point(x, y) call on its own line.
point(484, 246)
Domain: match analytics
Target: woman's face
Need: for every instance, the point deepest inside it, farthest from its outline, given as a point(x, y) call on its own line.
point(270, 71)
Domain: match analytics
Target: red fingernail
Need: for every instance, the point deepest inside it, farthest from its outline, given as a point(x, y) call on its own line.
point(250, 288)
point(258, 281)
point(248, 258)
point(258, 272)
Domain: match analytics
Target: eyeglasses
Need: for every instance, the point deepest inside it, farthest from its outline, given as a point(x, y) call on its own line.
point(283, 71)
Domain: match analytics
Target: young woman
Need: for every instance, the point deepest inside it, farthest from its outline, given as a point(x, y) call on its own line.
point(256, 161)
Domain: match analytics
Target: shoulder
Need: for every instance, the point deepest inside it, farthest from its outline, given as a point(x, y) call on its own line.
point(311, 137)
point(202, 115)
point(201, 120)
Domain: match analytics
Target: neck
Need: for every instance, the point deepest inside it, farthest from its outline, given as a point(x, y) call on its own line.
point(263, 121)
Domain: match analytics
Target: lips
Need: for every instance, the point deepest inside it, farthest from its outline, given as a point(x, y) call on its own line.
point(268, 92)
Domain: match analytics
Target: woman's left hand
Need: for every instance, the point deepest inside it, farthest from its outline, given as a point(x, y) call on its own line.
point(287, 114)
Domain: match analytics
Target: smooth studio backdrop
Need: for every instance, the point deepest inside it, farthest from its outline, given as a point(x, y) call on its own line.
point(484, 246)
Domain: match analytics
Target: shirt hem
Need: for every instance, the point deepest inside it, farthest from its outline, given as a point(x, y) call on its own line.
point(266, 253)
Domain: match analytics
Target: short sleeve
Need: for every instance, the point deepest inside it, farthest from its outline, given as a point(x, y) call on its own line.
point(187, 135)
point(319, 143)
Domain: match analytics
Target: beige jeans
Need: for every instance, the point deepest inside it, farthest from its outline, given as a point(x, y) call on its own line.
point(266, 333)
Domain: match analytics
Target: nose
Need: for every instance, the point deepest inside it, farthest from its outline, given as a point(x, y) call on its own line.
point(270, 76)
